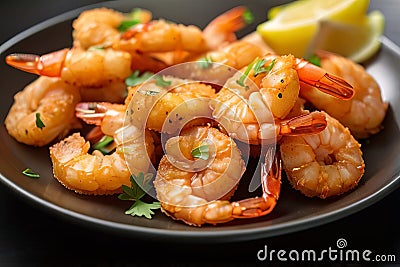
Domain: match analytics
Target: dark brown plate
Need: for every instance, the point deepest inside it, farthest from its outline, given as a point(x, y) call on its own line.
point(294, 212)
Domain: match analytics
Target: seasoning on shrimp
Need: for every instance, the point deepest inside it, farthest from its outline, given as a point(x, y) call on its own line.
point(325, 164)
point(196, 190)
point(365, 111)
point(43, 112)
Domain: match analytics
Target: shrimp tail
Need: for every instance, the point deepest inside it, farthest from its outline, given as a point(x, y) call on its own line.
point(323, 81)
point(91, 112)
point(311, 123)
point(271, 187)
point(225, 25)
point(46, 65)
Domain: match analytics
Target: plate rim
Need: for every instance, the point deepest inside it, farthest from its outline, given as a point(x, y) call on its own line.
point(186, 236)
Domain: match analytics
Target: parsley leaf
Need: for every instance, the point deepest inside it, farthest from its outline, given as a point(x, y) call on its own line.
point(39, 122)
point(140, 208)
point(126, 24)
point(28, 172)
point(314, 59)
point(248, 17)
point(136, 78)
point(201, 152)
point(161, 82)
point(140, 184)
point(104, 145)
point(205, 62)
point(133, 18)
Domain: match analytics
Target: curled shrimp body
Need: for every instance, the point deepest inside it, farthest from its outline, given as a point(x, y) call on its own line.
point(99, 26)
point(364, 113)
point(179, 102)
point(95, 173)
point(96, 27)
point(201, 196)
point(251, 107)
point(160, 42)
point(82, 68)
point(326, 164)
point(50, 99)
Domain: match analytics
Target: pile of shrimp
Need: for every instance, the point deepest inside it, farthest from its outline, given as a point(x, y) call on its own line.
point(238, 101)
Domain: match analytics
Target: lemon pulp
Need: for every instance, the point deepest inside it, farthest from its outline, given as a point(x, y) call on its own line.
point(340, 26)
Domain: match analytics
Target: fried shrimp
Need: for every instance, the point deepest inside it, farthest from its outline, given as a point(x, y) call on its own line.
point(99, 26)
point(326, 164)
point(364, 113)
point(46, 100)
point(179, 101)
point(197, 190)
point(253, 103)
point(82, 68)
point(95, 173)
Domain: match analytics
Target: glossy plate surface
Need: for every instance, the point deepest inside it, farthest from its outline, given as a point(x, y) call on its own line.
point(294, 211)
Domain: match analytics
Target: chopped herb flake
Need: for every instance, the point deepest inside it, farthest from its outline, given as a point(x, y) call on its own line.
point(150, 92)
point(39, 122)
point(205, 62)
point(259, 66)
point(136, 78)
point(201, 152)
point(96, 47)
point(104, 145)
point(248, 16)
point(126, 24)
point(314, 59)
point(280, 95)
point(28, 172)
point(161, 82)
point(242, 78)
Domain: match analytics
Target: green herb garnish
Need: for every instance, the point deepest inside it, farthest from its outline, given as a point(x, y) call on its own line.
point(96, 47)
point(150, 92)
point(39, 122)
point(28, 172)
point(136, 78)
point(140, 184)
point(126, 24)
point(161, 82)
point(104, 145)
point(240, 81)
point(259, 66)
point(133, 18)
point(248, 17)
point(201, 152)
point(205, 62)
point(314, 59)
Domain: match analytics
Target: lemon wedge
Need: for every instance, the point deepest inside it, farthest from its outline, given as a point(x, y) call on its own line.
point(358, 41)
point(340, 26)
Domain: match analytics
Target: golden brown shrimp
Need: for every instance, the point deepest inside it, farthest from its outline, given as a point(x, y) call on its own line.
point(200, 196)
point(98, 174)
point(82, 68)
point(99, 26)
point(159, 41)
point(364, 113)
point(47, 100)
point(179, 102)
point(252, 103)
point(143, 46)
point(325, 164)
